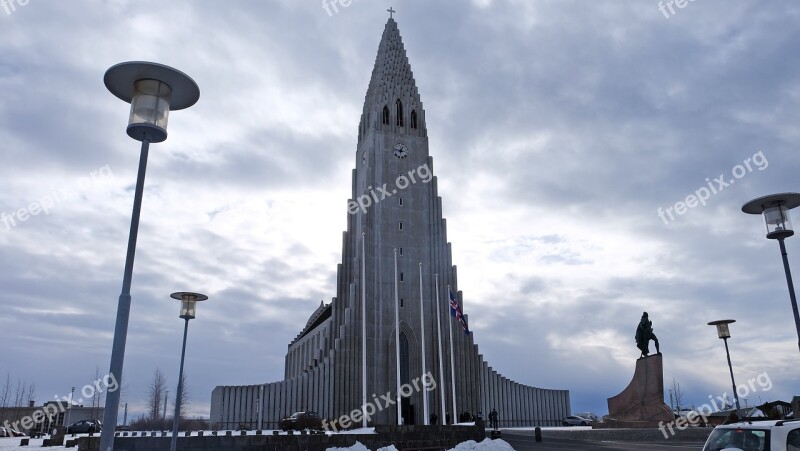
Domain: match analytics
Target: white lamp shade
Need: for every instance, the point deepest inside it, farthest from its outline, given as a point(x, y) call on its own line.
point(149, 110)
point(723, 331)
point(188, 306)
point(777, 221)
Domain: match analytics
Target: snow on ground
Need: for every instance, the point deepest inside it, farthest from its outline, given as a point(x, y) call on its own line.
point(471, 445)
point(12, 443)
point(486, 445)
point(359, 447)
point(354, 431)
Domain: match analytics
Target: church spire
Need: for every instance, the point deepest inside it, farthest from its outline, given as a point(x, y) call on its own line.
point(392, 102)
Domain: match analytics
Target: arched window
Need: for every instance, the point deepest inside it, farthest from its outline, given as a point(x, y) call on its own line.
point(399, 110)
point(413, 118)
point(405, 374)
point(385, 115)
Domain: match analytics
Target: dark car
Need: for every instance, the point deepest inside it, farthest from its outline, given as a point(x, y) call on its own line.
point(302, 420)
point(84, 426)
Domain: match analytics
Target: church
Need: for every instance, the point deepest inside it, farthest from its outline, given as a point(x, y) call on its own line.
point(397, 317)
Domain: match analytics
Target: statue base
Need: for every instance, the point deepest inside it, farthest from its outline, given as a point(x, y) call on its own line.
point(641, 404)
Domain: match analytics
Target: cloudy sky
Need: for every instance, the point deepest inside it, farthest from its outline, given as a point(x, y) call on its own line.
point(558, 129)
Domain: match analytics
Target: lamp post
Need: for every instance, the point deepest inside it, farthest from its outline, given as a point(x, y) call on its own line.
point(724, 333)
point(152, 90)
point(188, 309)
point(775, 209)
point(69, 408)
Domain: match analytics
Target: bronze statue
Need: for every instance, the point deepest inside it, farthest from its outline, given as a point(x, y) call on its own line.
point(644, 333)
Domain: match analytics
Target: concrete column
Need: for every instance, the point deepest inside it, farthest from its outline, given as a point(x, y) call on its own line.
point(531, 401)
point(502, 409)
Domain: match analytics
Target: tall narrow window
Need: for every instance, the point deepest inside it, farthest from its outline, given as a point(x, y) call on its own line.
point(401, 225)
point(401, 201)
point(401, 277)
point(413, 118)
point(401, 251)
point(399, 111)
point(405, 373)
point(385, 115)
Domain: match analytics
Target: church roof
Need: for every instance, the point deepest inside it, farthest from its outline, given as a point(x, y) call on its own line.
point(392, 77)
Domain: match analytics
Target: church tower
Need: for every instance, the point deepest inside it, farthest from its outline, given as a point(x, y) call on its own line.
point(394, 252)
point(396, 207)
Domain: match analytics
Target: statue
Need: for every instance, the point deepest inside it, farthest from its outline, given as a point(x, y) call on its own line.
point(644, 333)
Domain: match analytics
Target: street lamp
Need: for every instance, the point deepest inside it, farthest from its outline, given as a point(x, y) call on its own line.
point(69, 408)
point(775, 209)
point(724, 333)
point(188, 310)
point(152, 90)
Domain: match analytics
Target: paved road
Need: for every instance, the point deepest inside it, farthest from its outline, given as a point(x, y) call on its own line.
point(526, 442)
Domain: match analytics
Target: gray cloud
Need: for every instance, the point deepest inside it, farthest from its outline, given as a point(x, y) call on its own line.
point(558, 128)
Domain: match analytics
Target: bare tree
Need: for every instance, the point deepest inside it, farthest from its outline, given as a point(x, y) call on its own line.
point(676, 395)
point(5, 396)
point(98, 397)
point(30, 394)
point(23, 395)
point(155, 394)
point(185, 398)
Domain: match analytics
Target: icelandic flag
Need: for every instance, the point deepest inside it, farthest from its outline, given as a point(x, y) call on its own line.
point(455, 311)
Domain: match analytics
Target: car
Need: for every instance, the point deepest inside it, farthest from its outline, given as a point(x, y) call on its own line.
point(84, 426)
point(302, 420)
point(8, 432)
point(771, 435)
point(588, 415)
point(575, 420)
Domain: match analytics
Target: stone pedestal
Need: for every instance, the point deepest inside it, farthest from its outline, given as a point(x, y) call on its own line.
point(56, 437)
point(641, 404)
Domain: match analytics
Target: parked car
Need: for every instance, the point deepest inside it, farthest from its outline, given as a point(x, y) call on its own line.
point(84, 426)
point(771, 435)
point(8, 432)
point(588, 415)
point(575, 420)
point(302, 420)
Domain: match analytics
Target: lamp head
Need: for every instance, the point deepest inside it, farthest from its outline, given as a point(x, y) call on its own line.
point(775, 209)
point(189, 302)
point(152, 90)
point(723, 331)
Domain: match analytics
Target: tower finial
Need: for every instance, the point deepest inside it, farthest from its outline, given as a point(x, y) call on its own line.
point(391, 11)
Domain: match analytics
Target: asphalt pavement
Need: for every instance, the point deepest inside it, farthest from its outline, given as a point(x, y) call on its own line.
point(524, 441)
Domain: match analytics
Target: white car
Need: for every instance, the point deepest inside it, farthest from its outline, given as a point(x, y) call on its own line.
point(575, 420)
point(772, 435)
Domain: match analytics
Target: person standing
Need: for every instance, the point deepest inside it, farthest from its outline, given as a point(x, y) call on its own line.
point(493, 418)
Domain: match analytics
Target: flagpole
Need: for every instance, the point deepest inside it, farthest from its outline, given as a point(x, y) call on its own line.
point(422, 329)
point(364, 326)
point(452, 364)
point(397, 339)
point(439, 334)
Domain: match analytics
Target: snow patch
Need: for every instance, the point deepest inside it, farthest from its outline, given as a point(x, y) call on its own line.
point(485, 445)
point(359, 447)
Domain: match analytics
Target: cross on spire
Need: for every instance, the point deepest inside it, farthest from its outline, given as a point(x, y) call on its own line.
point(391, 11)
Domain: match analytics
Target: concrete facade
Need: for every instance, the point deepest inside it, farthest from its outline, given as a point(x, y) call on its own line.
point(396, 206)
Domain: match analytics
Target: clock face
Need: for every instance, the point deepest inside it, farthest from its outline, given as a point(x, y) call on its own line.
point(400, 151)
